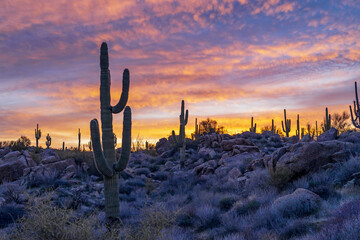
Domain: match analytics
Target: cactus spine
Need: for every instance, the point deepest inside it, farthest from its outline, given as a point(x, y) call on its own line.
point(327, 121)
point(105, 159)
point(287, 126)
point(253, 127)
point(181, 142)
point(48, 141)
point(355, 121)
point(37, 135)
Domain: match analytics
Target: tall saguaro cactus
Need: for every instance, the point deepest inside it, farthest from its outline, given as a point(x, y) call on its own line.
point(287, 127)
point(79, 138)
point(37, 135)
point(327, 121)
point(105, 159)
point(252, 127)
point(272, 126)
point(181, 142)
point(48, 141)
point(356, 120)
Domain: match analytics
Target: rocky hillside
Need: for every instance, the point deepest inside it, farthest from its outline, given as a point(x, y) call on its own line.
point(245, 186)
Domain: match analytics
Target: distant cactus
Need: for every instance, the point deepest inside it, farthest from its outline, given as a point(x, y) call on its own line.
point(48, 141)
point(181, 141)
point(146, 145)
point(327, 121)
point(316, 129)
point(253, 127)
point(298, 127)
point(90, 145)
point(79, 138)
point(272, 126)
point(302, 132)
point(115, 140)
point(287, 127)
point(63, 148)
point(355, 121)
point(37, 135)
point(105, 159)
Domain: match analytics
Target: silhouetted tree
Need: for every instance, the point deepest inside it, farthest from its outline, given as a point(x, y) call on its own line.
point(341, 121)
point(210, 126)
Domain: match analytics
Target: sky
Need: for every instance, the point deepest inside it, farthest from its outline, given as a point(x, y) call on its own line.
point(229, 60)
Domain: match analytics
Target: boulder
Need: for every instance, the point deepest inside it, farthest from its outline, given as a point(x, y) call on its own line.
point(206, 168)
point(237, 149)
point(235, 173)
point(207, 153)
point(227, 145)
point(62, 167)
point(4, 151)
point(350, 136)
point(300, 203)
point(329, 135)
point(299, 159)
point(12, 166)
point(163, 145)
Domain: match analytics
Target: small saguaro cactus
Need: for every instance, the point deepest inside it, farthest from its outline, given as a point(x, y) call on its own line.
point(298, 127)
point(287, 127)
point(37, 135)
point(79, 138)
point(355, 121)
point(48, 141)
point(181, 142)
point(272, 126)
point(253, 127)
point(146, 145)
point(327, 121)
point(115, 140)
point(90, 145)
point(105, 158)
point(316, 129)
point(63, 146)
point(302, 132)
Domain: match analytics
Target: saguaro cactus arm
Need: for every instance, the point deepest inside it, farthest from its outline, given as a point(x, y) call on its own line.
point(124, 95)
point(126, 141)
point(355, 120)
point(100, 161)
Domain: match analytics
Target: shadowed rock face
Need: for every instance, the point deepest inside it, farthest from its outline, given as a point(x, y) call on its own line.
point(329, 135)
point(301, 158)
point(12, 165)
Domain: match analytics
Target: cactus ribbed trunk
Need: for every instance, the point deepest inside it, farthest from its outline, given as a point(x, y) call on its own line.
point(111, 190)
point(104, 156)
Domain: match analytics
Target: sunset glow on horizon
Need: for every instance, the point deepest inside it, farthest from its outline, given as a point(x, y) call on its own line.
point(229, 60)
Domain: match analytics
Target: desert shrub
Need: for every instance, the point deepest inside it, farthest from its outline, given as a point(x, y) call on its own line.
point(176, 233)
point(207, 217)
point(344, 172)
point(247, 207)
point(296, 228)
point(35, 156)
point(162, 176)
point(13, 194)
point(142, 171)
point(226, 203)
point(48, 181)
point(21, 144)
point(233, 236)
point(152, 224)
point(154, 168)
point(186, 217)
point(258, 179)
point(136, 182)
point(45, 221)
point(280, 177)
point(9, 213)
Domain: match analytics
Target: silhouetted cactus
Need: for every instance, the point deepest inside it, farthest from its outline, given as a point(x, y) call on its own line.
point(181, 139)
point(115, 140)
point(253, 127)
point(272, 126)
point(287, 127)
point(298, 127)
point(79, 138)
point(327, 121)
point(355, 121)
point(63, 148)
point(105, 159)
point(316, 129)
point(37, 135)
point(302, 132)
point(90, 145)
point(48, 141)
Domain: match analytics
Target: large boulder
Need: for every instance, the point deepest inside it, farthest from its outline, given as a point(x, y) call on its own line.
point(206, 168)
point(329, 135)
point(297, 160)
point(300, 203)
point(163, 145)
point(350, 136)
point(227, 145)
point(13, 164)
point(62, 168)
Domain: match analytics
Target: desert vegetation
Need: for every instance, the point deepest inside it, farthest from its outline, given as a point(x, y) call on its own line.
point(214, 185)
